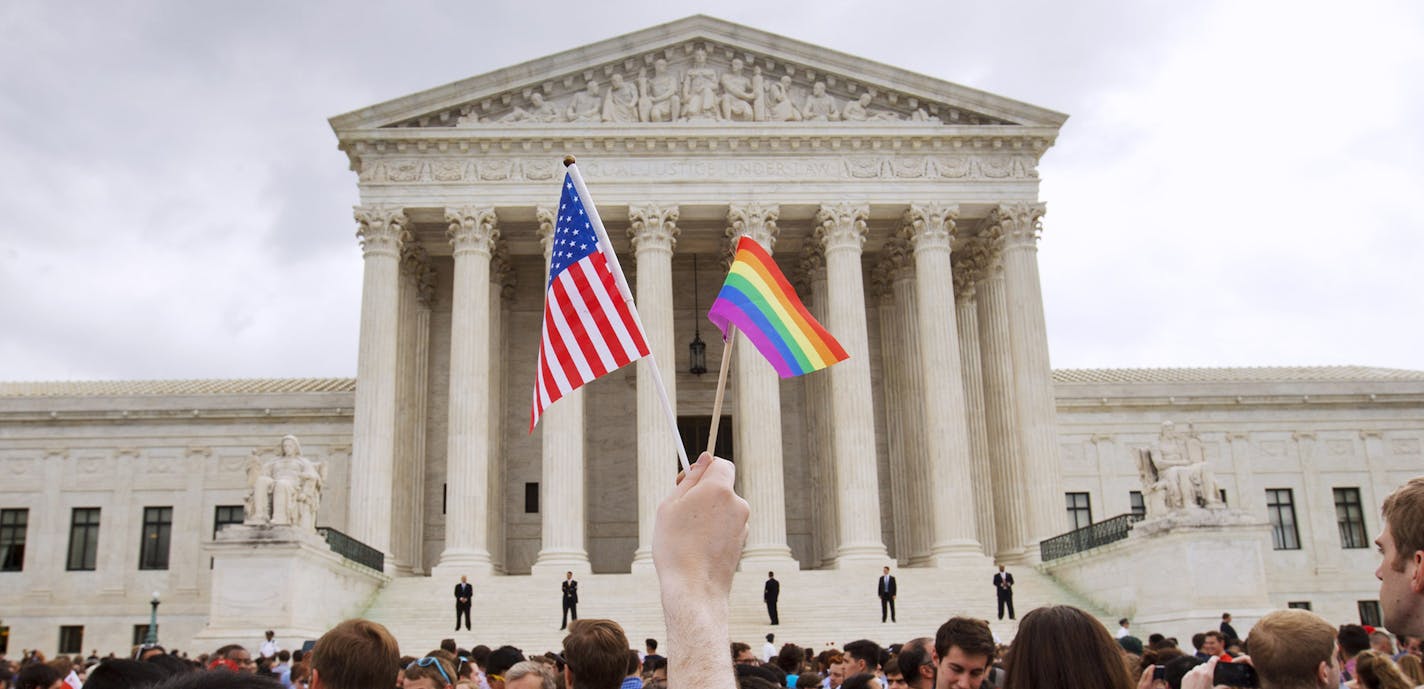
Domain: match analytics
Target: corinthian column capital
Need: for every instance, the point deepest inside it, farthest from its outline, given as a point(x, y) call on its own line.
point(653, 227)
point(754, 220)
point(930, 225)
point(472, 228)
point(842, 225)
point(813, 263)
point(546, 216)
point(966, 272)
point(381, 229)
point(501, 273)
point(1019, 223)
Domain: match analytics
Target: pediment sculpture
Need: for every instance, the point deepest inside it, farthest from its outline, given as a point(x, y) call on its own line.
point(654, 90)
point(285, 489)
point(1175, 474)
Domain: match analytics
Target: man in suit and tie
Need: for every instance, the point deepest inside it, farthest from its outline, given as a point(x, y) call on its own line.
point(769, 594)
point(886, 590)
point(1004, 589)
point(464, 592)
point(570, 599)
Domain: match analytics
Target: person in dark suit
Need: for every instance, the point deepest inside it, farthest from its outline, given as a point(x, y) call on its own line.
point(769, 594)
point(1004, 589)
point(570, 599)
point(1227, 630)
point(464, 592)
point(885, 588)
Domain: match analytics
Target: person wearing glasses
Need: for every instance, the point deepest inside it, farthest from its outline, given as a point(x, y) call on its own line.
point(429, 672)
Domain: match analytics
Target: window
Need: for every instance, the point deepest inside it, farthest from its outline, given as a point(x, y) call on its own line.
point(1298, 605)
point(1280, 507)
point(157, 532)
point(1370, 613)
point(1350, 518)
point(83, 543)
point(12, 539)
point(1080, 510)
point(531, 498)
point(71, 638)
point(1134, 499)
point(140, 634)
point(224, 515)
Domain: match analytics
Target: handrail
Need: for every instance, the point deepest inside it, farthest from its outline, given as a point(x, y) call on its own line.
point(352, 549)
point(1088, 537)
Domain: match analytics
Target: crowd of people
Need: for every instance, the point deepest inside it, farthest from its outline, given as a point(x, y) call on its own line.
point(696, 544)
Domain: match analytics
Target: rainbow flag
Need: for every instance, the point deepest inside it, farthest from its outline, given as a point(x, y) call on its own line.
point(758, 300)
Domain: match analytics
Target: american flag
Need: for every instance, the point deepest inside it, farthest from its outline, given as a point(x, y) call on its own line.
point(589, 325)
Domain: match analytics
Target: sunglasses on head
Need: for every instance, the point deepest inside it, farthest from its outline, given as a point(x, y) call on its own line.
point(431, 660)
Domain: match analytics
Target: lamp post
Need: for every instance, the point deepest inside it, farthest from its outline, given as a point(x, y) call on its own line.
point(152, 637)
point(697, 349)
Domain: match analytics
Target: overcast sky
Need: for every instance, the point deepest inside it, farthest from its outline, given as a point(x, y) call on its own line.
point(1240, 183)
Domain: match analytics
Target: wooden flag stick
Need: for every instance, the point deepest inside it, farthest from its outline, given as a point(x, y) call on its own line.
point(721, 387)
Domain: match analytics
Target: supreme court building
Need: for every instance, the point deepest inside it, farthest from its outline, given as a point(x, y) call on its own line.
point(906, 212)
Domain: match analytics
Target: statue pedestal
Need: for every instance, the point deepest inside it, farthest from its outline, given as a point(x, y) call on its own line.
point(282, 578)
point(1177, 573)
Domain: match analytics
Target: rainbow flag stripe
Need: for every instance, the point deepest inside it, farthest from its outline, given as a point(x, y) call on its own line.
point(758, 300)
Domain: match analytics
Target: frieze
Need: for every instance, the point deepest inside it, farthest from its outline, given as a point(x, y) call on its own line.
point(464, 171)
point(698, 82)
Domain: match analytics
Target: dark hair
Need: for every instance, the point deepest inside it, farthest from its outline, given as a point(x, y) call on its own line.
point(1122, 621)
point(970, 635)
point(1213, 634)
point(738, 647)
point(858, 681)
point(1225, 615)
point(914, 655)
point(171, 664)
point(37, 676)
point(595, 652)
point(1198, 639)
point(1175, 669)
point(633, 661)
point(480, 654)
point(770, 637)
point(891, 665)
point(789, 658)
point(123, 673)
point(449, 645)
point(651, 643)
point(865, 650)
point(503, 658)
point(1352, 639)
point(654, 663)
point(1062, 647)
point(220, 679)
point(1154, 639)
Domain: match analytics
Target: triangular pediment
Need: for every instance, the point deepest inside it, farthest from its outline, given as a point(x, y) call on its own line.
point(697, 71)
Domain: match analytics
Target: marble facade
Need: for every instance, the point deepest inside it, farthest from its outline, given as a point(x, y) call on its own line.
point(906, 211)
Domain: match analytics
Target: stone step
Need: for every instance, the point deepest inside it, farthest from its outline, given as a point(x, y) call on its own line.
point(817, 608)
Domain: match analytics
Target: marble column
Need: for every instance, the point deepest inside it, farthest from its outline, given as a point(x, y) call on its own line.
point(919, 493)
point(382, 229)
point(502, 285)
point(818, 422)
point(893, 381)
point(971, 371)
point(1033, 374)
point(929, 229)
point(841, 230)
point(1000, 423)
point(473, 231)
point(653, 230)
point(417, 289)
point(757, 424)
point(561, 494)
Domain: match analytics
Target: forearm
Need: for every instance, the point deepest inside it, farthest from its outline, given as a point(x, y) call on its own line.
point(697, 642)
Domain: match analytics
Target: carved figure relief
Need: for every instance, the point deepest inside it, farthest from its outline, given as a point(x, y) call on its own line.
point(285, 489)
point(1175, 475)
point(737, 90)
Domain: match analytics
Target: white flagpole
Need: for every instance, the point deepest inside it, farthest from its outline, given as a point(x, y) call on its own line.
point(607, 248)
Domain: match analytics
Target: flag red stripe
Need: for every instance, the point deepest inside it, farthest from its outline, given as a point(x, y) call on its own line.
point(640, 346)
point(598, 313)
point(588, 353)
point(560, 350)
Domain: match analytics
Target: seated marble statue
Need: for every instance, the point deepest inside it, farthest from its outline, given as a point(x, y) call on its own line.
point(286, 489)
point(820, 106)
point(1176, 475)
point(539, 111)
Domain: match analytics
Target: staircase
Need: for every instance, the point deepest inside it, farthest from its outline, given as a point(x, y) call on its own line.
point(818, 608)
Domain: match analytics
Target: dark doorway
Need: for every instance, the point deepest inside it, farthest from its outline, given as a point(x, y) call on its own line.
point(694, 429)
